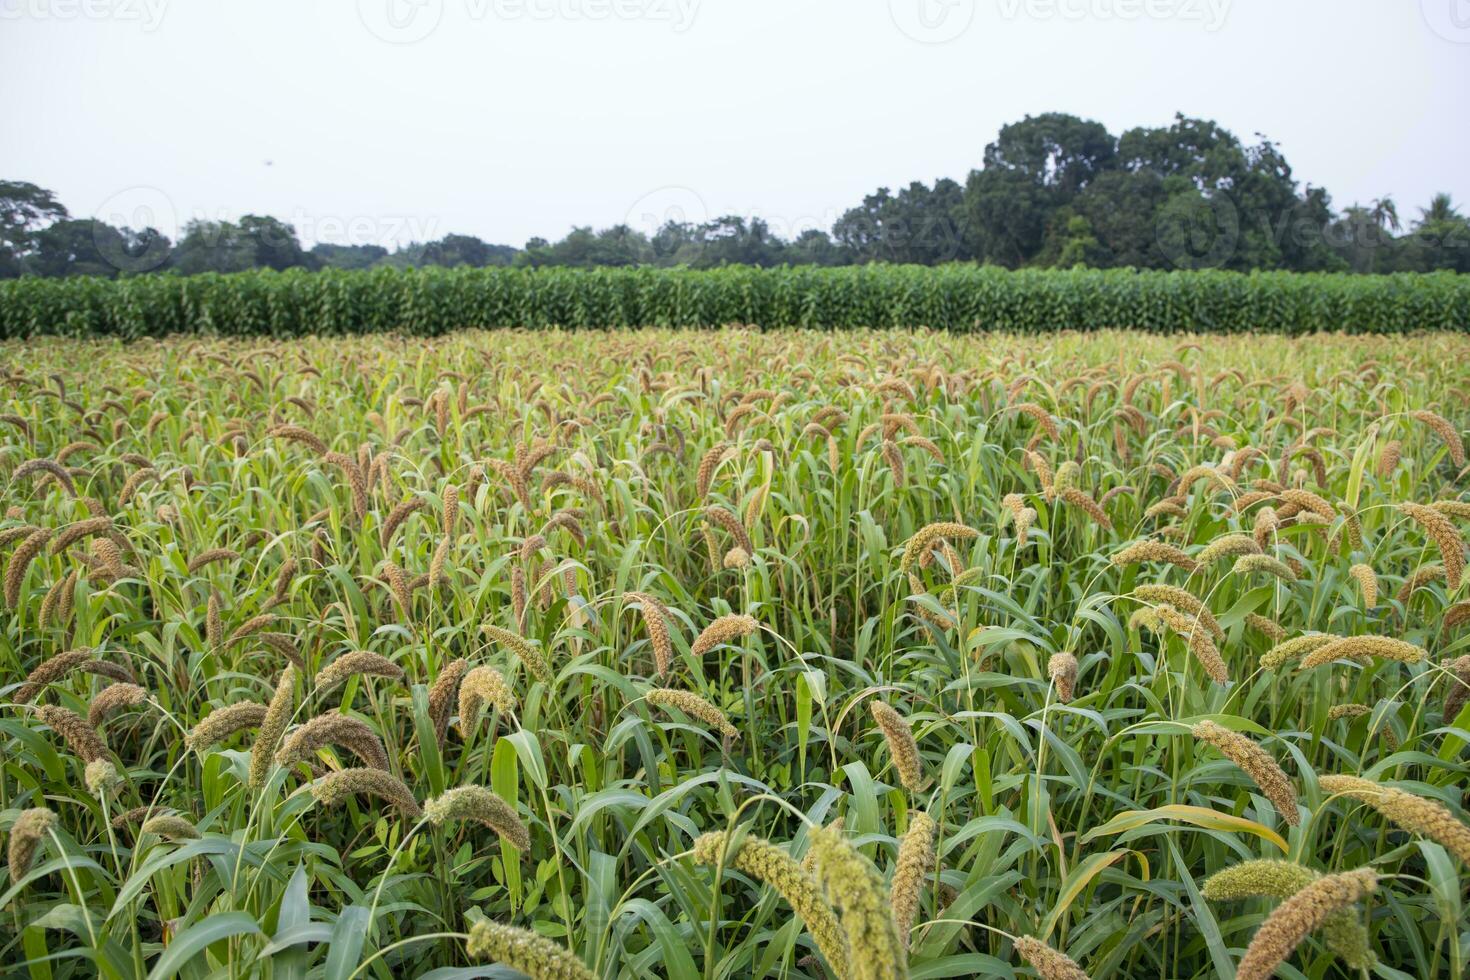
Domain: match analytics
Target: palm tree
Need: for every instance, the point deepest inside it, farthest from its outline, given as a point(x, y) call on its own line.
point(1384, 213)
point(1441, 208)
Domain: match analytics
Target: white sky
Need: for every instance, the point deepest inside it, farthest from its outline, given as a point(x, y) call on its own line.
point(512, 118)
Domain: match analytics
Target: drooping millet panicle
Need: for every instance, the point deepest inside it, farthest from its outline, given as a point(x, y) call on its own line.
point(48, 466)
point(1142, 551)
point(707, 465)
point(75, 532)
point(1062, 669)
point(915, 861)
point(1339, 711)
point(396, 517)
point(335, 787)
point(901, 745)
point(530, 657)
point(1459, 687)
point(723, 630)
point(928, 536)
point(1248, 564)
point(482, 686)
point(436, 564)
point(1455, 617)
point(399, 588)
point(736, 558)
point(1037, 463)
point(1265, 527)
point(518, 594)
point(694, 706)
point(356, 480)
point(20, 562)
point(295, 433)
point(1384, 647)
point(1228, 546)
point(1300, 915)
point(894, 458)
point(656, 621)
point(221, 723)
point(1184, 601)
point(449, 516)
point(1423, 816)
point(19, 533)
point(214, 629)
point(1442, 427)
point(523, 950)
point(51, 669)
point(80, 737)
point(1367, 583)
point(479, 803)
point(1049, 964)
point(333, 729)
point(1256, 763)
point(354, 663)
point(731, 525)
point(1393, 451)
point(1306, 500)
point(1342, 931)
point(444, 695)
point(1418, 579)
point(213, 555)
point(1268, 627)
point(1295, 648)
point(100, 776)
point(25, 839)
point(112, 699)
point(251, 626)
point(170, 826)
point(1446, 538)
point(284, 578)
point(1197, 638)
point(771, 865)
point(1087, 505)
point(272, 727)
point(856, 891)
point(1457, 509)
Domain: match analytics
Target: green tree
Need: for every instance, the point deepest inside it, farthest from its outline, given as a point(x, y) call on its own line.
point(24, 209)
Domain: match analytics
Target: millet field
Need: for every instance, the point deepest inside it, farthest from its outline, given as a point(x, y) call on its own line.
point(722, 654)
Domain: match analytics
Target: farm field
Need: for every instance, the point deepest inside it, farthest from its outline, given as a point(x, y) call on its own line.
point(735, 654)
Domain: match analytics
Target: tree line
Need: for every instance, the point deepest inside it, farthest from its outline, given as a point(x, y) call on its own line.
point(1053, 191)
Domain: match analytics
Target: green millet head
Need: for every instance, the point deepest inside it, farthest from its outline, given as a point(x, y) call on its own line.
point(1301, 914)
point(772, 866)
point(521, 949)
point(479, 803)
point(915, 861)
point(172, 827)
point(1342, 932)
point(25, 838)
point(854, 888)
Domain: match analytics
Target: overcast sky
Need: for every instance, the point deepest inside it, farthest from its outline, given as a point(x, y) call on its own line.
point(382, 120)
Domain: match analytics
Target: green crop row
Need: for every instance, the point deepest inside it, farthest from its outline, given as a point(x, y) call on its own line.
point(956, 298)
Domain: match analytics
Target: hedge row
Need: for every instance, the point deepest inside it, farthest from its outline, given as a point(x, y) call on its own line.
point(959, 298)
